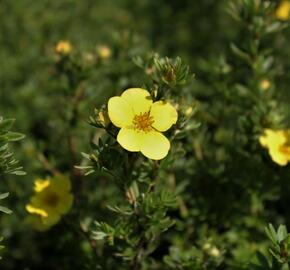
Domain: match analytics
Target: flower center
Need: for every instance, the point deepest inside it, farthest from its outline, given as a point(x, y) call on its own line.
point(51, 199)
point(285, 149)
point(143, 122)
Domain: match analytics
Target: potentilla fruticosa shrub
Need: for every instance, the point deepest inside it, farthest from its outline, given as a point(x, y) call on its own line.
point(134, 160)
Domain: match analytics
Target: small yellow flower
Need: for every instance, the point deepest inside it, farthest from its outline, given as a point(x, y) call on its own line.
point(211, 250)
point(104, 52)
point(188, 111)
point(63, 47)
point(215, 252)
point(265, 84)
point(52, 200)
point(277, 143)
point(141, 122)
point(283, 10)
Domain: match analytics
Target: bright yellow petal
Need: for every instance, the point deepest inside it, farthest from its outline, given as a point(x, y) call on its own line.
point(278, 157)
point(33, 210)
point(130, 139)
point(155, 145)
point(283, 10)
point(164, 115)
point(40, 184)
point(139, 99)
point(120, 112)
point(272, 138)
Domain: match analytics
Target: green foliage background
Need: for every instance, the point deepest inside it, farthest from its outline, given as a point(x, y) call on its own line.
point(228, 188)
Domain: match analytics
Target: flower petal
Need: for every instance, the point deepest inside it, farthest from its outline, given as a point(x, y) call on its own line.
point(65, 204)
point(283, 11)
point(33, 210)
point(278, 157)
point(164, 115)
point(130, 139)
point(154, 145)
point(139, 99)
point(61, 183)
point(41, 184)
point(273, 138)
point(51, 219)
point(120, 112)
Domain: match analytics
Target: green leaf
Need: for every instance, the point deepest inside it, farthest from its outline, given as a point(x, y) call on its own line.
point(5, 210)
point(281, 233)
point(14, 136)
point(4, 195)
point(240, 53)
point(271, 233)
point(6, 124)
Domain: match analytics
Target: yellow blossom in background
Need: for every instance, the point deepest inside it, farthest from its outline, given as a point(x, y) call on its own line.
point(52, 199)
point(63, 47)
point(188, 111)
point(142, 122)
point(215, 252)
point(211, 250)
point(283, 10)
point(278, 144)
point(104, 52)
point(265, 84)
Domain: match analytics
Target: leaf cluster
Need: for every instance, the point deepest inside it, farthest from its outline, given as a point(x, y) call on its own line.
point(8, 164)
point(138, 225)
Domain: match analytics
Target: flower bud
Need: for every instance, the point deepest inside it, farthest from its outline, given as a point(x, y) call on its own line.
point(63, 47)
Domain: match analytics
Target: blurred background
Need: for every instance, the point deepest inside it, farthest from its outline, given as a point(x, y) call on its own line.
point(226, 204)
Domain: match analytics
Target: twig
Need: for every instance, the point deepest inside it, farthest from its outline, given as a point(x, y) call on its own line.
point(47, 165)
point(139, 254)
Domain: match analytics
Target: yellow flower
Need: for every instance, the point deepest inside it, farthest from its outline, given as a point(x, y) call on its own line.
point(277, 143)
point(104, 52)
point(265, 84)
point(63, 47)
point(215, 252)
point(52, 200)
point(283, 10)
point(188, 111)
point(141, 122)
point(211, 250)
